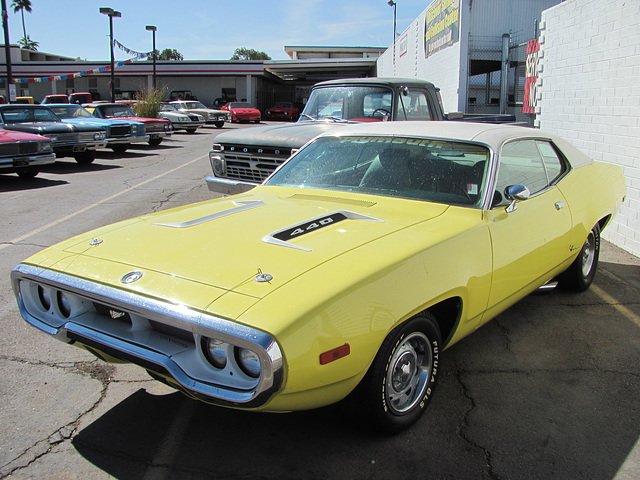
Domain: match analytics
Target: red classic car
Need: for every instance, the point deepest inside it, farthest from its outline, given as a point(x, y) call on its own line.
point(282, 111)
point(156, 128)
point(24, 153)
point(243, 112)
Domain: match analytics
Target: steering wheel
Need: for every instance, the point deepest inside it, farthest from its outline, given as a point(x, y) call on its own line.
point(383, 110)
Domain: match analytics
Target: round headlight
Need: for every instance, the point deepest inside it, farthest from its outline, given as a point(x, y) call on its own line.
point(45, 299)
point(64, 305)
point(215, 352)
point(218, 166)
point(249, 362)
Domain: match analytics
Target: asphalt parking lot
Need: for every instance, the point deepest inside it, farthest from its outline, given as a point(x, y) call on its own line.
point(549, 389)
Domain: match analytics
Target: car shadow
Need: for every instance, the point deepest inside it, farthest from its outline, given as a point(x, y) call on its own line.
point(13, 183)
point(548, 389)
point(69, 167)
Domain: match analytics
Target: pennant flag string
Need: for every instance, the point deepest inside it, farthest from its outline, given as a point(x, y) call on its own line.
point(75, 75)
point(138, 55)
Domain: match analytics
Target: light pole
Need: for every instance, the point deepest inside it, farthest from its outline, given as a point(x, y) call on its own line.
point(153, 28)
point(391, 3)
point(7, 49)
point(111, 13)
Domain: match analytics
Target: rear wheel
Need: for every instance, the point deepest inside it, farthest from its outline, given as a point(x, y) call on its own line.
point(86, 157)
point(579, 276)
point(155, 141)
point(402, 377)
point(219, 124)
point(191, 130)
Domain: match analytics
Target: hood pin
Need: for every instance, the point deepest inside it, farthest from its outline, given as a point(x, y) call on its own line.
point(263, 277)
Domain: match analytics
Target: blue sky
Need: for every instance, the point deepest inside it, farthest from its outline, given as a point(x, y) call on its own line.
point(210, 29)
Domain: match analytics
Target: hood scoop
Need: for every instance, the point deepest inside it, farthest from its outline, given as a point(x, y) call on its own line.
point(283, 236)
point(240, 207)
point(327, 198)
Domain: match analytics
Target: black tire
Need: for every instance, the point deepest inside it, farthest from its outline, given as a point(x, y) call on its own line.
point(85, 158)
point(120, 148)
point(219, 124)
point(27, 172)
point(191, 130)
point(401, 380)
point(579, 276)
point(155, 141)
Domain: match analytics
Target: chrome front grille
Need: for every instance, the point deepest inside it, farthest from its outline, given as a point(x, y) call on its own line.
point(251, 163)
point(120, 131)
point(18, 148)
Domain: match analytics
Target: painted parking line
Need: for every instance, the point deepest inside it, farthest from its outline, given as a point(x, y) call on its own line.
point(93, 205)
point(613, 302)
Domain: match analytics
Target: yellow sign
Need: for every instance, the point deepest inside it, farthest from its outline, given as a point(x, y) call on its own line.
point(442, 25)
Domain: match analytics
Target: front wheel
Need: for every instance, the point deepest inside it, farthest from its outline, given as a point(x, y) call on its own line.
point(120, 148)
point(155, 141)
point(27, 172)
point(402, 377)
point(579, 276)
point(86, 157)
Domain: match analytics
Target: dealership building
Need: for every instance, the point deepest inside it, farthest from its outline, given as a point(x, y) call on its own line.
point(571, 67)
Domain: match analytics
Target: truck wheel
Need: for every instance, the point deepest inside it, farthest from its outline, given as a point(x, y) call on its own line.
point(155, 141)
point(86, 157)
point(219, 124)
point(401, 379)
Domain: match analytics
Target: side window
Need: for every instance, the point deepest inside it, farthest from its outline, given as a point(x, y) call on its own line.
point(532, 163)
point(416, 106)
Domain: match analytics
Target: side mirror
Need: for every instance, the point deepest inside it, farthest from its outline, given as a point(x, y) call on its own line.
point(516, 193)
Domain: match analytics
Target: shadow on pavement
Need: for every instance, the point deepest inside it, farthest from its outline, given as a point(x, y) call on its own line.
point(548, 389)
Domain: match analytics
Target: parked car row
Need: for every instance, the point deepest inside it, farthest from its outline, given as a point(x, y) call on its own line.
point(35, 135)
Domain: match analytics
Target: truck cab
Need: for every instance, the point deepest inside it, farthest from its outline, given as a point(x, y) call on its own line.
point(241, 159)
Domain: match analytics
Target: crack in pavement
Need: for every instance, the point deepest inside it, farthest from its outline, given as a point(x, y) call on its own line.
point(95, 370)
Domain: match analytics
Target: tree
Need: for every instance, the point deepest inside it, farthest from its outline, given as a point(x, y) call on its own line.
point(28, 44)
point(243, 53)
point(170, 54)
point(21, 6)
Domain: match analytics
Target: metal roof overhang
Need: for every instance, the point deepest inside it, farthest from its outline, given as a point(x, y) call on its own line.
point(317, 70)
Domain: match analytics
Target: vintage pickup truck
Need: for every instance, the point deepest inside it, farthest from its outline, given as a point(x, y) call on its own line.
point(242, 159)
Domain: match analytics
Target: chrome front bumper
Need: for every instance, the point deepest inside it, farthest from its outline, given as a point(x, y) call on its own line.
point(161, 337)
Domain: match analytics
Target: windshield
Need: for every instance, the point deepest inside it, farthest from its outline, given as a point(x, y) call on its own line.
point(25, 115)
point(110, 111)
point(357, 103)
point(168, 108)
point(413, 168)
point(194, 105)
point(71, 111)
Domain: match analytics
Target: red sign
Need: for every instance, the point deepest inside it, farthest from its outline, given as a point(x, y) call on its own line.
point(531, 77)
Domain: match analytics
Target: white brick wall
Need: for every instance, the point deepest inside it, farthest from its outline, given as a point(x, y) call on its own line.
point(590, 92)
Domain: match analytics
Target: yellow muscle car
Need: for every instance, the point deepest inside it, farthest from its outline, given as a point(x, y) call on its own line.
point(348, 271)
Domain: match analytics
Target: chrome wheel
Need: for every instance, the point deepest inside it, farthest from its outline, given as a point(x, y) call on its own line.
point(588, 254)
point(409, 370)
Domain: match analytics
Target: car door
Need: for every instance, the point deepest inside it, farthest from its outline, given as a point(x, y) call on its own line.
point(531, 241)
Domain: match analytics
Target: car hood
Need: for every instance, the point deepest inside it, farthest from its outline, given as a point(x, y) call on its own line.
point(284, 136)
point(44, 128)
point(9, 136)
point(97, 121)
point(226, 243)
